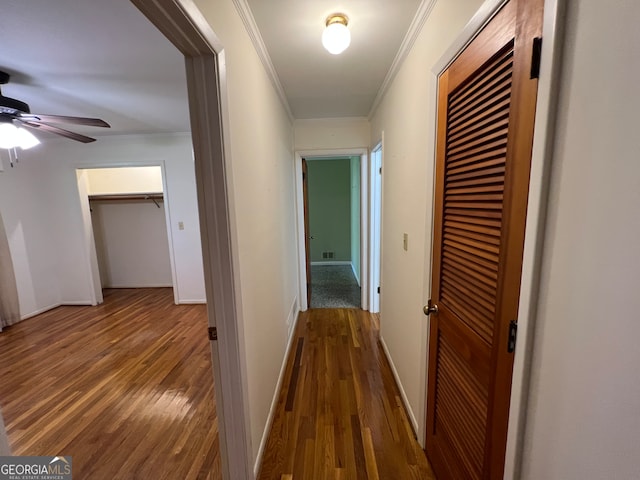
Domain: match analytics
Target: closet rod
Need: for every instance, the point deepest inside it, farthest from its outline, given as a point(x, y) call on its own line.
point(154, 197)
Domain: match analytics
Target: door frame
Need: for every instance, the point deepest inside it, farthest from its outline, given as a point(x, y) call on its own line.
point(365, 213)
point(187, 29)
point(546, 111)
point(307, 234)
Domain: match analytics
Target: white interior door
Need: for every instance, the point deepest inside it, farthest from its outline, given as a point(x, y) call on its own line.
point(376, 226)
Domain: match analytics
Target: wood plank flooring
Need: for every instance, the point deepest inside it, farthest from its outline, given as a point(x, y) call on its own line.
point(339, 414)
point(126, 388)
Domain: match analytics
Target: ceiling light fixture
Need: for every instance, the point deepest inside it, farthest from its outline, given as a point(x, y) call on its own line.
point(336, 36)
point(14, 137)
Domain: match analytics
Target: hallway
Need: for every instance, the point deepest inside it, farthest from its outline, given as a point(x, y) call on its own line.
point(339, 413)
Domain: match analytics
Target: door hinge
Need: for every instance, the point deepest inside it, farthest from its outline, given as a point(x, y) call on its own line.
point(378, 290)
point(536, 54)
point(213, 333)
point(380, 170)
point(513, 334)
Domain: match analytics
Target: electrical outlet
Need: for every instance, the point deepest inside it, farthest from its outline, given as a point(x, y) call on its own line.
point(180, 225)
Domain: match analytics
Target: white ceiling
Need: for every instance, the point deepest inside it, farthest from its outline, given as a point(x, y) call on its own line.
point(316, 83)
point(93, 58)
point(102, 58)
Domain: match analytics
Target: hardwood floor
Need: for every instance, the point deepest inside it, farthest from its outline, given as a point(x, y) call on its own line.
point(125, 388)
point(339, 414)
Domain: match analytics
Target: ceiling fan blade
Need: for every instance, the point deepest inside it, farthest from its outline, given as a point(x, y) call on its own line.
point(92, 122)
point(59, 131)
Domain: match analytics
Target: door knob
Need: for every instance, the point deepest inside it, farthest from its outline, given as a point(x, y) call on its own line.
point(430, 308)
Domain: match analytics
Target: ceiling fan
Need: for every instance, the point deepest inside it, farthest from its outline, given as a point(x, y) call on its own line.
point(15, 113)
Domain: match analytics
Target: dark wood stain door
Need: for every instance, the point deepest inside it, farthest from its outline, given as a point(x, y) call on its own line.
point(307, 234)
point(486, 110)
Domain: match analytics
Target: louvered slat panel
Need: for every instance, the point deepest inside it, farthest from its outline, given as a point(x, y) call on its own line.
point(474, 182)
point(496, 104)
point(488, 120)
point(475, 166)
point(480, 150)
point(469, 275)
point(472, 232)
point(454, 276)
point(477, 132)
point(477, 244)
point(452, 243)
point(483, 320)
point(475, 221)
point(488, 175)
point(457, 255)
point(480, 106)
point(495, 67)
point(475, 139)
point(467, 295)
point(461, 412)
point(473, 227)
point(470, 305)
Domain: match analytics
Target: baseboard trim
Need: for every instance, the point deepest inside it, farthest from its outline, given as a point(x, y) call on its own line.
point(164, 285)
point(39, 311)
point(337, 262)
point(76, 303)
point(403, 395)
point(191, 302)
point(291, 319)
point(356, 273)
point(295, 314)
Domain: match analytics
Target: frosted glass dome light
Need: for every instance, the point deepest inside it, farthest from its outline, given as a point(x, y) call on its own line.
point(336, 36)
point(14, 137)
point(26, 139)
point(8, 133)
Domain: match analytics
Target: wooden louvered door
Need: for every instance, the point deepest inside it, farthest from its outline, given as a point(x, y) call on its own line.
point(486, 109)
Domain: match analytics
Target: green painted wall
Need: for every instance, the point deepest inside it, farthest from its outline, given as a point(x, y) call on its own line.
point(355, 216)
point(330, 208)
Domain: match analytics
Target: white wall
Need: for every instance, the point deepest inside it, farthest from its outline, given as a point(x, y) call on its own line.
point(584, 407)
point(132, 244)
point(39, 200)
point(261, 154)
point(180, 198)
point(332, 133)
point(408, 191)
point(26, 204)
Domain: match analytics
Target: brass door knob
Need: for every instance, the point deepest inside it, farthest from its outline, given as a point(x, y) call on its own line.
point(430, 308)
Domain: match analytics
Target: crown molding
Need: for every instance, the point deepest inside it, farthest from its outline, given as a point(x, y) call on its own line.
point(424, 10)
point(254, 33)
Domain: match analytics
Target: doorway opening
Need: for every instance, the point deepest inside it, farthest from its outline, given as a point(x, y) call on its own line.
point(127, 228)
point(360, 227)
point(185, 26)
point(333, 231)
